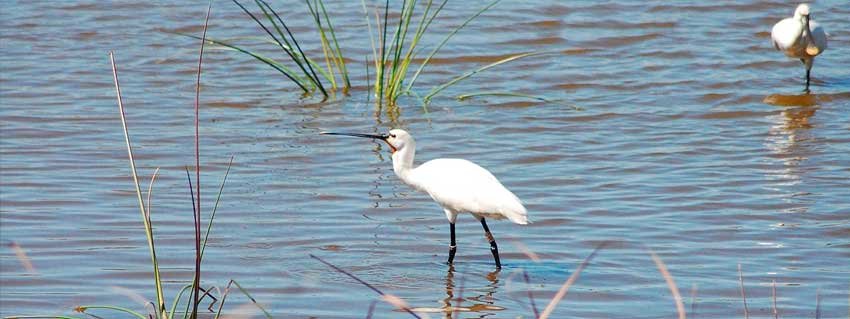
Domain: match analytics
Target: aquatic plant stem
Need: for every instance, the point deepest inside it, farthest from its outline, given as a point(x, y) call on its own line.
point(530, 296)
point(197, 207)
point(562, 292)
point(193, 302)
point(775, 310)
point(671, 284)
point(215, 208)
point(244, 292)
point(160, 305)
point(743, 293)
point(466, 75)
point(352, 276)
point(445, 40)
point(301, 52)
point(83, 309)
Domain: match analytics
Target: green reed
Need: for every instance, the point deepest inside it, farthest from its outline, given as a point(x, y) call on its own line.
point(200, 241)
point(393, 62)
point(396, 49)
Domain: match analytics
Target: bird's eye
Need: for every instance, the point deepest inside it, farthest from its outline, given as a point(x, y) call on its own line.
point(392, 135)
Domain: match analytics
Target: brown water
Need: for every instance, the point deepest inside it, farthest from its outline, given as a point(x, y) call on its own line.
point(695, 140)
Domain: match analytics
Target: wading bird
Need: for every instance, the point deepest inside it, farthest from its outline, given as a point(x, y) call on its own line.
point(457, 185)
point(800, 37)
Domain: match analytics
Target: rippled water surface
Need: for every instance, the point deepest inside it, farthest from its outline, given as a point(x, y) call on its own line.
point(695, 140)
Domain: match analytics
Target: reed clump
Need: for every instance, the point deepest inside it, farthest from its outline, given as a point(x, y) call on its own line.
point(398, 56)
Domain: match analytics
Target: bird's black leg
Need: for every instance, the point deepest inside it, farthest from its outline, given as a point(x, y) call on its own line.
point(453, 246)
point(493, 247)
point(808, 72)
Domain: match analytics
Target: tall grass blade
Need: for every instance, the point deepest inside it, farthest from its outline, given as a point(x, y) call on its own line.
point(160, 304)
point(25, 260)
point(289, 73)
point(671, 284)
point(339, 56)
point(445, 40)
point(244, 292)
point(775, 310)
point(371, 309)
point(562, 292)
point(41, 317)
point(150, 192)
point(817, 304)
point(197, 207)
point(425, 21)
point(743, 293)
point(312, 75)
point(371, 39)
point(385, 297)
point(530, 296)
point(215, 207)
point(326, 50)
point(83, 309)
point(466, 75)
point(398, 43)
point(694, 301)
point(514, 94)
point(399, 75)
point(295, 56)
point(196, 282)
point(382, 64)
point(177, 299)
point(264, 6)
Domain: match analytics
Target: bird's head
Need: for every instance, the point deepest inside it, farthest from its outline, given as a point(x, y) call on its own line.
point(802, 11)
point(397, 139)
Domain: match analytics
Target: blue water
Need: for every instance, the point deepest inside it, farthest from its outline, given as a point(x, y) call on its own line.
point(694, 141)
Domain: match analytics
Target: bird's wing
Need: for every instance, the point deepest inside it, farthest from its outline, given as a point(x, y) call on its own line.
point(784, 33)
point(819, 36)
point(463, 186)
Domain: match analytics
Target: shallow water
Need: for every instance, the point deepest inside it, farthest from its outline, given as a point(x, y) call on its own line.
point(694, 140)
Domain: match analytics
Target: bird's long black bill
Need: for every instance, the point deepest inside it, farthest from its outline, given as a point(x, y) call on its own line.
point(376, 136)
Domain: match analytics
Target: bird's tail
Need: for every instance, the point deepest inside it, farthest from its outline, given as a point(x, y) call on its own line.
point(518, 214)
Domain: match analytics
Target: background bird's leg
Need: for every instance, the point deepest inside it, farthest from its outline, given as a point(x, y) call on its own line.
point(808, 77)
point(493, 247)
point(453, 245)
point(809, 62)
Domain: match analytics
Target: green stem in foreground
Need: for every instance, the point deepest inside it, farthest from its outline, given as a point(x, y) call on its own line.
point(446, 39)
point(466, 75)
point(513, 94)
point(215, 208)
point(119, 309)
point(160, 305)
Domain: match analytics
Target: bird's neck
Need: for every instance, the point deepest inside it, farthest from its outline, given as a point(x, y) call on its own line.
point(801, 33)
point(403, 163)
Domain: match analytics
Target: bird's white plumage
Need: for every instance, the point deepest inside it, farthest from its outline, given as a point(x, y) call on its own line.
point(800, 37)
point(790, 37)
point(457, 185)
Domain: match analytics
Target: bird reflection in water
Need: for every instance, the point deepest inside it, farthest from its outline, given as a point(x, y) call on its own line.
point(460, 300)
point(791, 142)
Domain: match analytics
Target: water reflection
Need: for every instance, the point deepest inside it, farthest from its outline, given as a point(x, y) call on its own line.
point(462, 299)
point(805, 99)
point(790, 142)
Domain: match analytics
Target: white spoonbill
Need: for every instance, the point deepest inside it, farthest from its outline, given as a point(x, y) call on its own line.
point(457, 185)
point(800, 37)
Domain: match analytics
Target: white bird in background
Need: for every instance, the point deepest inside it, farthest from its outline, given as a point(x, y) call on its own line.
point(457, 185)
point(800, 37)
